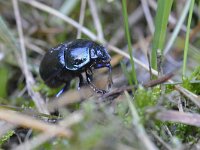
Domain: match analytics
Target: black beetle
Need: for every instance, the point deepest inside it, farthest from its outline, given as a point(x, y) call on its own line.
point(69, 60)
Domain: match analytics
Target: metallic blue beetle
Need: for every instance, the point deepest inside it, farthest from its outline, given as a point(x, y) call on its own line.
point(69, 60)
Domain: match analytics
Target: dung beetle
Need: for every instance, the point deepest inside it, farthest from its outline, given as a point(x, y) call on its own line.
point(69, 60)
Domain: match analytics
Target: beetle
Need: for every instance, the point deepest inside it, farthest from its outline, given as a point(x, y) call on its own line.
point(70, 59)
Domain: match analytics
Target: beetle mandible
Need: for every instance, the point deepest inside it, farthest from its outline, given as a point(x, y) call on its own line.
point(69, 60)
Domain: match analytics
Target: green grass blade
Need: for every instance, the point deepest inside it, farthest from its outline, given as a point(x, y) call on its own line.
point(8, 39)
point(127, 32)
point(187, 38)
point(162, 14)
point(178, 27)
point(3, 80)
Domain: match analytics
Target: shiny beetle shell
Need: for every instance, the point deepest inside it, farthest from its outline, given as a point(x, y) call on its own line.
point(68, 60)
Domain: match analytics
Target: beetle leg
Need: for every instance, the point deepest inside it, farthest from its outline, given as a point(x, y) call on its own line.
point(88, 77)
point(108, 65)
point(80, 81)
point(110, 81)
point(65, 88)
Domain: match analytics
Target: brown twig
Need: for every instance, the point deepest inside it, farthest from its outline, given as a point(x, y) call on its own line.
point(159, 80)
point(151, 83)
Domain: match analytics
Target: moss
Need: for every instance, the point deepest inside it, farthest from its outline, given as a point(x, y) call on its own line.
point(6, 137)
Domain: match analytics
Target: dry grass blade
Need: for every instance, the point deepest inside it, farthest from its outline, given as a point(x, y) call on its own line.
point(181, 117)
point(194, 98)
point(43, 137)
point(39, 102)
point(148, 16)
point(29, 122)
point(61, 16)
point(96, 19)
point(133, 18)
point(81, 17)
point(34, 47)
point(117, 50)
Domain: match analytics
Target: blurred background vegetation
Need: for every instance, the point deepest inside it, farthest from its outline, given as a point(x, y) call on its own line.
point(164, 34)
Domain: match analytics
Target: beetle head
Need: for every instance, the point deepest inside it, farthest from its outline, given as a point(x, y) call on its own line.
point(100, 57)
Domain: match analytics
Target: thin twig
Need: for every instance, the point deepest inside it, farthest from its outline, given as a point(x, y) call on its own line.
point(151, 83)
point(159, 80)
